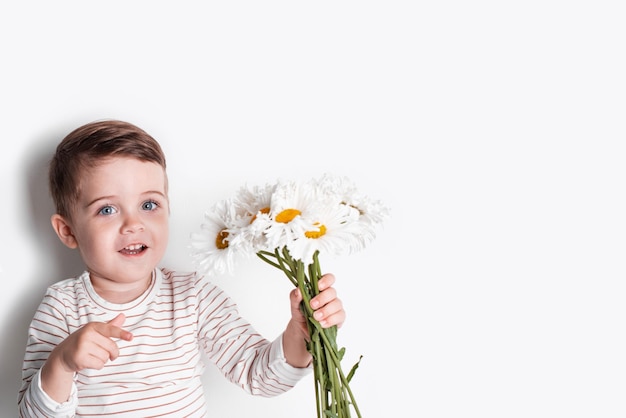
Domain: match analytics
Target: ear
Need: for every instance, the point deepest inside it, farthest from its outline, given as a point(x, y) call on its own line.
point(64, 231)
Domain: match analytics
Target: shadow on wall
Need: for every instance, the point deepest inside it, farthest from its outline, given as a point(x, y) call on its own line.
point(54, 262)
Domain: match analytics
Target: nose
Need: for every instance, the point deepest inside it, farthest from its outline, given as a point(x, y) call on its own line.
point(132, 223)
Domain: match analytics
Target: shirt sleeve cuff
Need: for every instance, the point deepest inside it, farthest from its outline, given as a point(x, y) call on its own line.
point(50, 406)
point(279, 365)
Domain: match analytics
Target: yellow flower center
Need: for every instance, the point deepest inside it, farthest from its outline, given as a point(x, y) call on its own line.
point(287, 215)
point(316, 234)
point(263, 210)
point(220, 240)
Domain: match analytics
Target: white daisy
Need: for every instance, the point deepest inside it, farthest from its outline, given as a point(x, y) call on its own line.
point(254, 206)
point(292, 212)
point(213, 247)
point(372, 212)
point(335, 232)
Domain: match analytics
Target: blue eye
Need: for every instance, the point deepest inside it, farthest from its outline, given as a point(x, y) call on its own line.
point(107, 210)
point(150, 205)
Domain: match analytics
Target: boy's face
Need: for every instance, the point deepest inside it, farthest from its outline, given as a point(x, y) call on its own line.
point(120, 222)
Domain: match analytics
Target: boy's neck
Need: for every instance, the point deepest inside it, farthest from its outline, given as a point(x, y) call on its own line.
point(120, 293)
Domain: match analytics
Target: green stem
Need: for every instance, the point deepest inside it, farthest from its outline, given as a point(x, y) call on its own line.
point(315, 350)
point(326, 362)
point(263, 255)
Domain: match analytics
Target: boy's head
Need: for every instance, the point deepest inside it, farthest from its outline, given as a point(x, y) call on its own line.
point(89, 145)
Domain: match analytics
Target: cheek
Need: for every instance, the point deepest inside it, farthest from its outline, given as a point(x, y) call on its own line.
point(164, 234)
point(93, 251)
point(95, 235)
point(160, 227)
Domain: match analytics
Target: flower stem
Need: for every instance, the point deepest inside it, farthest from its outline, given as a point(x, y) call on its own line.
point(332, 388)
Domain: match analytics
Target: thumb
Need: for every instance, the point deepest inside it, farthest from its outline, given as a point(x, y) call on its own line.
point(295, 297)
point(118, 321)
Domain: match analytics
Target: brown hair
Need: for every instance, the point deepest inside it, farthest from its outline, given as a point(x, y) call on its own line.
point(90, 144)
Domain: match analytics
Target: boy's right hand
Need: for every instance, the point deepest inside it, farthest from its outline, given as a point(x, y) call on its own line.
point(92, 345)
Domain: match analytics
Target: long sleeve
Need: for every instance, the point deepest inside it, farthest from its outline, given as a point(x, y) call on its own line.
point(244, 356)
point(47, 329)
point(36, 403)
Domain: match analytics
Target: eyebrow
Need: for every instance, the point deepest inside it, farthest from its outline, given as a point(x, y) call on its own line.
point(97, 199)
point(111, 197)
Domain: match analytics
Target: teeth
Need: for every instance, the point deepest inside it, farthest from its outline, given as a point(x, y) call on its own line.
point(134, 247)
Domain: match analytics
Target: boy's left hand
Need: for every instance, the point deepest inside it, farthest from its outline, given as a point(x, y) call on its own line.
point(328, 308)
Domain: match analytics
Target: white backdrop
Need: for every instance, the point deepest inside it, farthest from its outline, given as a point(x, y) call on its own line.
point(494, 132)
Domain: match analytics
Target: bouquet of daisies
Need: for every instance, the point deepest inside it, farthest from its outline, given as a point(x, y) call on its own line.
point(288, 225)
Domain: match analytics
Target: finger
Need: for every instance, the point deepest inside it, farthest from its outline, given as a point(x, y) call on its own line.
point(122, 334)
point(91, 350)
point(323, 298)
point(335, 319)
point(118, 321)
point(295, 296)
point(91, 361)
point(295, 299)
point(100, 354)
point(113, 329)
point(326, 281)
point(103, 346)
point(331, 314)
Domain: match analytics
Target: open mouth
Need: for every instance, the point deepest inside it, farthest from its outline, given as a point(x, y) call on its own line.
point(133, 249)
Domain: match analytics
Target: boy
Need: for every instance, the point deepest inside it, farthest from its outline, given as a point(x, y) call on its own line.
point(124, 338)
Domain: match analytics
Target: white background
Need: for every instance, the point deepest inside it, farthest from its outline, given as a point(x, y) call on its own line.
point(493, 130)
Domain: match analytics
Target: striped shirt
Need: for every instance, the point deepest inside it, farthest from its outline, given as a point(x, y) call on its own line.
point(159, 372)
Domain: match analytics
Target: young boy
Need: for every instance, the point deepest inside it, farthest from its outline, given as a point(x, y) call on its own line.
point(125, 337)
